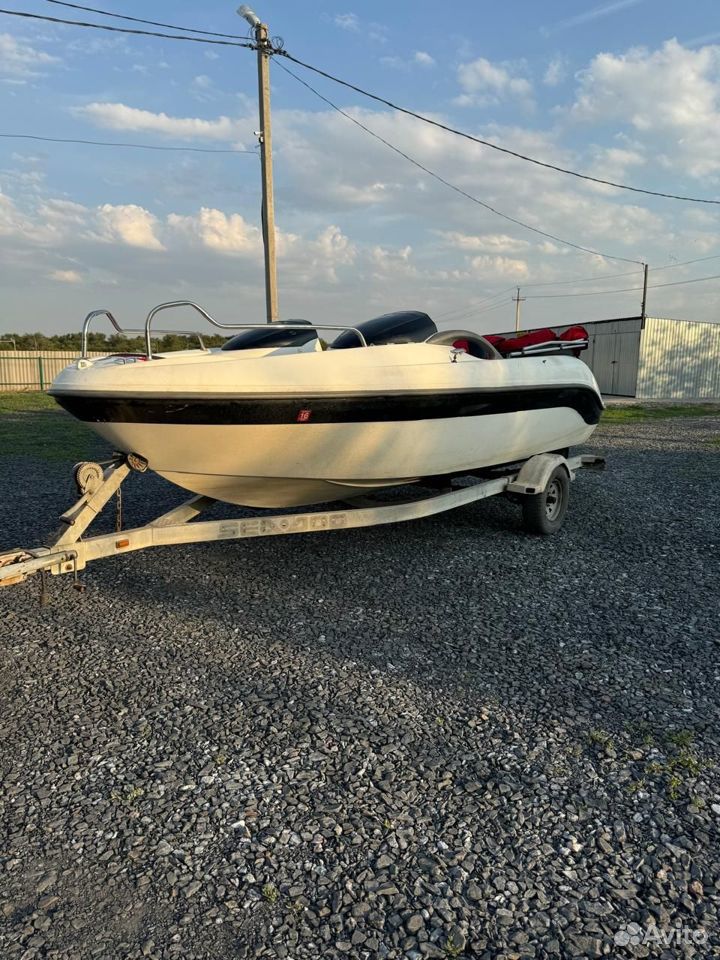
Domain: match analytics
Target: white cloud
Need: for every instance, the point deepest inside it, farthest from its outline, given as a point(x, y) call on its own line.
point(21, 61)
point(118, 116)
point(555, 73)
point(353, 208)
point(419, 58)
point(484, 82)
point(129, 224)
point(388, 262)
point(347, 21)
point(669, 98)
point(65, 276)
point(424, 59)
point(595, 13)
point(501, 267)
point(615, 163)
point(218, 231)
point(488, 242)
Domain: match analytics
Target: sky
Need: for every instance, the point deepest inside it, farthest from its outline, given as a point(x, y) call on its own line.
point(626, 90)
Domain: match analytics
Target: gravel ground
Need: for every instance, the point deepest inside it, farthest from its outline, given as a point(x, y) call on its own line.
point(439, 739)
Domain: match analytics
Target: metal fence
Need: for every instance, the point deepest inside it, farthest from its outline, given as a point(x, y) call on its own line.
point(34, 369)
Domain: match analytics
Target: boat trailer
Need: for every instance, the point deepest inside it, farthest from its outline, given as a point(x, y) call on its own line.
point(541, 484)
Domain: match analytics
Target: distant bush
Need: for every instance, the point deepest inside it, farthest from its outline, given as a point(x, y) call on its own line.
point(101, 342)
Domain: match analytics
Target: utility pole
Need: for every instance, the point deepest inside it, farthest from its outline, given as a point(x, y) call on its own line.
point(517, 300)
point(644, 296)
point(264, 52)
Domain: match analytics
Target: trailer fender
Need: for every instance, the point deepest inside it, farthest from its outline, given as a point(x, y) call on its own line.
point(535, 473)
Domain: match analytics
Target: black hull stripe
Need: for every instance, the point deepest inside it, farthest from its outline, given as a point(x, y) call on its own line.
point(351, 409)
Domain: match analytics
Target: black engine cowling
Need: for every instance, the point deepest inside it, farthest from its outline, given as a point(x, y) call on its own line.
point(405, 326)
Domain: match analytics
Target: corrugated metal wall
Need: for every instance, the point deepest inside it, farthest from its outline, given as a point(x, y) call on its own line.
point(612, 354)
point(33, 369)
point(679, 360)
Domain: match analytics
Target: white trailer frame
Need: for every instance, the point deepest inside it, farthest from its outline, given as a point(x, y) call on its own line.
point(68, 552)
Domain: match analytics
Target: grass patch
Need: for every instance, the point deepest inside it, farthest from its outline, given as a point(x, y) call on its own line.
point(270, 893)
point(32, 425)
point(30, 402)
point(633, 413)
point(681, 765)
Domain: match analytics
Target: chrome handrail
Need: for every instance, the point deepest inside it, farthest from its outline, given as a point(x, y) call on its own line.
point(125, 330)
point(238, 326)
point(86, 326)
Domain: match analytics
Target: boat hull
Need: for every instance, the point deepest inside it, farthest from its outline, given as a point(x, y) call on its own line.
point(266, 465)
point(309, 433)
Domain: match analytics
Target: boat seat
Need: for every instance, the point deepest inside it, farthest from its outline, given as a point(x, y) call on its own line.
point(472, 343)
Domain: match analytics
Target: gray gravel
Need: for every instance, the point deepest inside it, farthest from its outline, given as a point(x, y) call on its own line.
point(440, 739)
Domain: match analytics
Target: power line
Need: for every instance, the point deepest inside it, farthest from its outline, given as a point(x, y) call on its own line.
point(488, 143)
point(141, 33)
point(478, 303)
point(282, 52)
point(588, 293)
point(685, 263)
point(545, 283)
point(601, 293)
point(556, 283)
point(107, 143)
point(452, 186)
point(152, 23)
point(467, 313)
point(680, 283)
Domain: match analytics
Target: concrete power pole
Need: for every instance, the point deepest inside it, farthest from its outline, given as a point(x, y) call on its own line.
point(264, 49)
point(517, 300)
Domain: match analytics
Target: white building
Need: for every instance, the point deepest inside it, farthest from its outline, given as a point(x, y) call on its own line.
point(655, 359)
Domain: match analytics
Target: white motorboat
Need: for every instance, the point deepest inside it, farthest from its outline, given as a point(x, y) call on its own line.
point(277, 418)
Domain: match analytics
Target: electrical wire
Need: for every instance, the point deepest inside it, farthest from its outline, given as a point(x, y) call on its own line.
point(131, 30)
point(480, 308)
point(556, 283)
point(588, 293)
point(544, 283)
point(152, 23)
point(479, 303)
point(107, 143)
point(488, 143)
point(467, 314)
point(452, 186)
point(685, 263)
point(280, 51)
point(680, 283)
point(601, 293)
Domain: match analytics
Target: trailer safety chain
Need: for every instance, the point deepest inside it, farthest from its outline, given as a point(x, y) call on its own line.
point(118, 510)
point(44, 599)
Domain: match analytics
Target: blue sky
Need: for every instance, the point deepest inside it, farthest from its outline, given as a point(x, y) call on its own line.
point(625, 89)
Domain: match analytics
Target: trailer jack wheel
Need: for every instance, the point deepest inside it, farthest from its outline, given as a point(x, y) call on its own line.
point(544, 512)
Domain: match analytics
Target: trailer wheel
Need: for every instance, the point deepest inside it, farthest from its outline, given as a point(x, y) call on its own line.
point(544, 512)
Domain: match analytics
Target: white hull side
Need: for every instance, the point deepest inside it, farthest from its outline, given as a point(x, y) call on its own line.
point(283, 465)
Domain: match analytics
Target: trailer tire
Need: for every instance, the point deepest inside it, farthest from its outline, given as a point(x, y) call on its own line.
point(544, 513)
